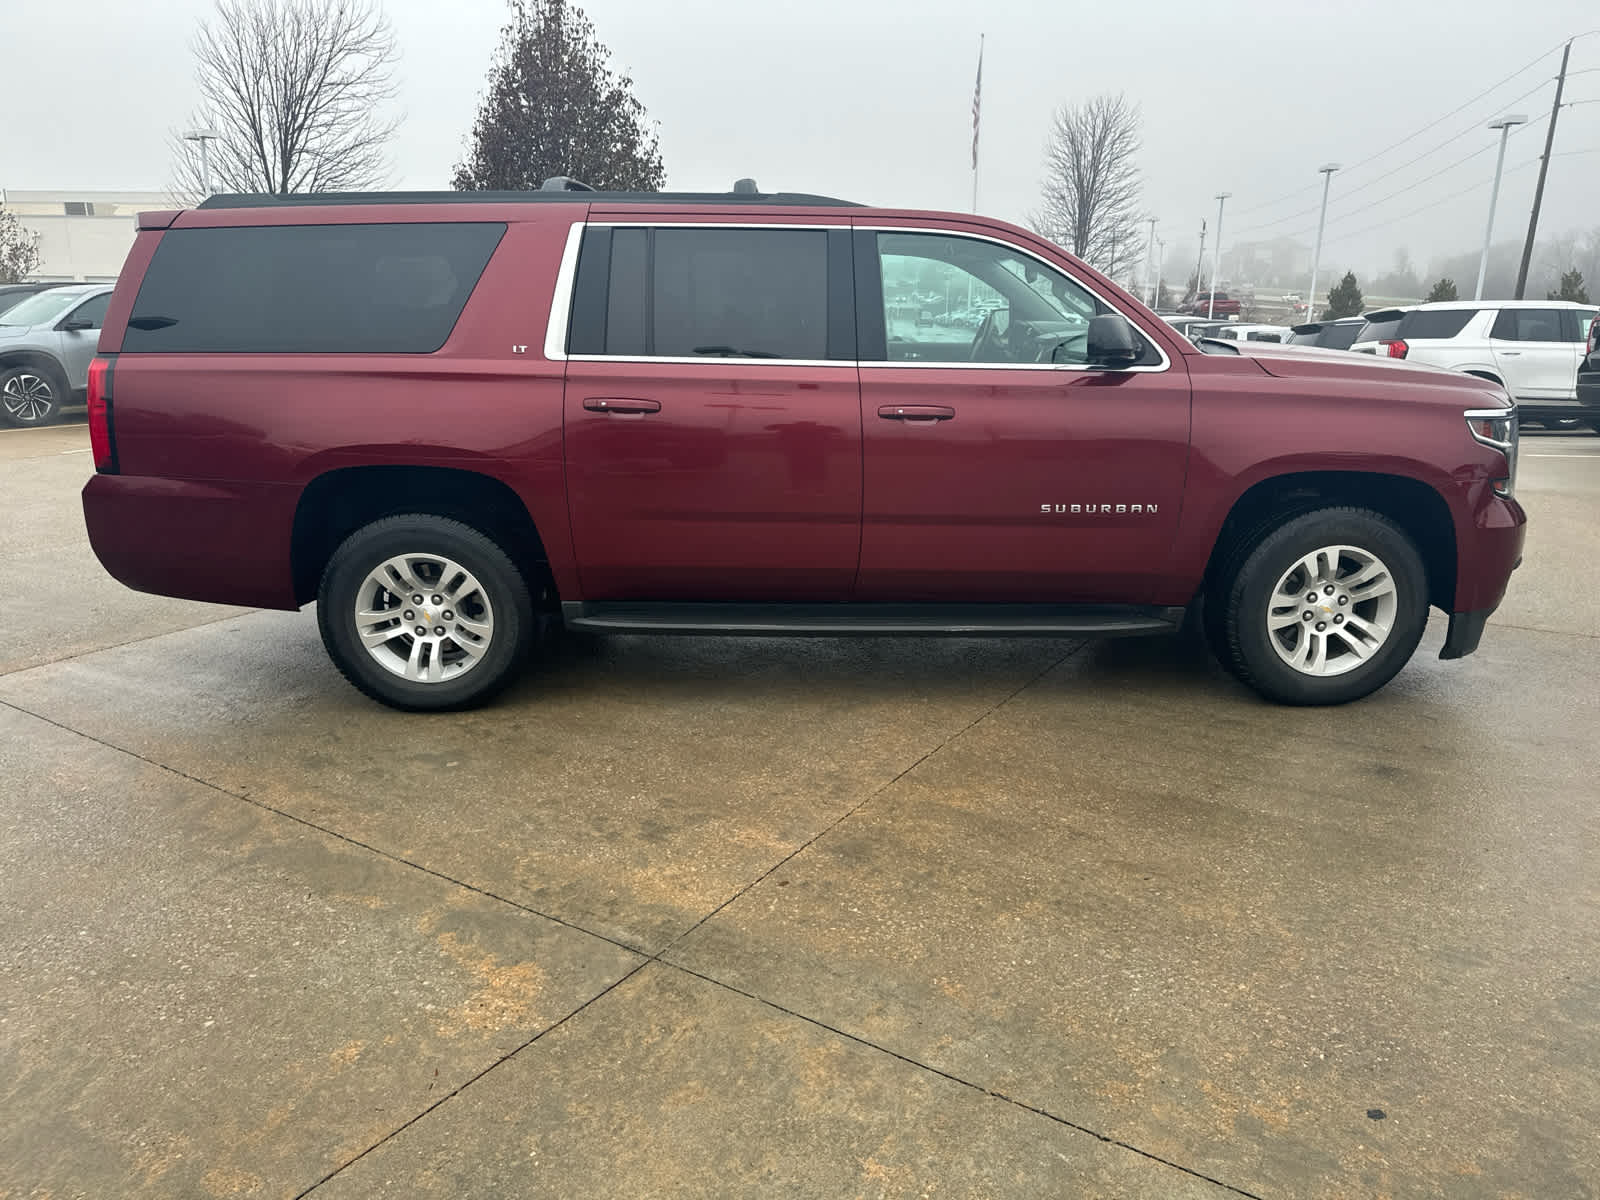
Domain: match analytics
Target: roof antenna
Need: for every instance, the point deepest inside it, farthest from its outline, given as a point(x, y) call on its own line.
point(560, 183)
point(745, 187)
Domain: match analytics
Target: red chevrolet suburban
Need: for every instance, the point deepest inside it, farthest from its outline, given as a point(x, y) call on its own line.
point(453, 418)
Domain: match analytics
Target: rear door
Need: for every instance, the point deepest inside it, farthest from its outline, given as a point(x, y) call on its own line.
point(1532, 353)
point(998, 465)
point(1576, 330)
point(712, 413)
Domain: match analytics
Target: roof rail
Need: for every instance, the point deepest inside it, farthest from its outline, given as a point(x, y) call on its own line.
point(561, 183)
point(320, 199)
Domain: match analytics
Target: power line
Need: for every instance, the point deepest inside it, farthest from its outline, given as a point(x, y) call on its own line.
point(1418, 133)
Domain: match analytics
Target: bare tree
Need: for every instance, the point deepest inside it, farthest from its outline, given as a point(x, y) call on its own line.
point(1091, 184)
point(294, 89)
point(19, 249)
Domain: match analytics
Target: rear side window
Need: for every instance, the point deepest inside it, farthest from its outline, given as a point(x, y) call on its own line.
point(1380, 327)
point(309, 289)
point(1528, 325)
point(1435, 322)
point(1339, 337)
point(705, 293)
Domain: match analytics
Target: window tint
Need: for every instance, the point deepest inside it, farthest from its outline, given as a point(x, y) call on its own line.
point(1435, 322)
point(332, 289)
point(758, 293)
point(1528, 325)
point(954, 299)
point(1263, 337)
point(1339, 337)
point(1379, 327)
point(1576, 322)
point(93, 311)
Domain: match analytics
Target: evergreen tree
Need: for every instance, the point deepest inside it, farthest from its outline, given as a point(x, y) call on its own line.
point(1344, 300)
point(554, 106)
point(1445, 289)
point(1571, 288)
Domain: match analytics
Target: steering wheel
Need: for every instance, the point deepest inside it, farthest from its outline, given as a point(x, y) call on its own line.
point(991, 336)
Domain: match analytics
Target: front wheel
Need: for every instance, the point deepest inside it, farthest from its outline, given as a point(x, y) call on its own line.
point(1326, 609)
point(31, 396)
point(424, 613)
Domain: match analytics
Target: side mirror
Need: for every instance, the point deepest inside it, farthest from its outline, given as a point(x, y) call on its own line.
point(1111, 342)
point(76, 325)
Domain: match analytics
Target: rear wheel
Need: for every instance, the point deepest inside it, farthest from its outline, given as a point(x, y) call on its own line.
point(31, 395)
point(424, 613)
point(1326, 608)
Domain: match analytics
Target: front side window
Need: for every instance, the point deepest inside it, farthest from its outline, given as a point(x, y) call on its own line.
point(92, 311)
point(40, 308)
point(703, 293)
point(1528, 325)
point(956, 299)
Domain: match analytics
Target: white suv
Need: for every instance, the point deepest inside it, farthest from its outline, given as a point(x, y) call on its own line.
point(1533, 347)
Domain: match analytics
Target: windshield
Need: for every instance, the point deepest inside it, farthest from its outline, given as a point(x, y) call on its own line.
point(40, 309)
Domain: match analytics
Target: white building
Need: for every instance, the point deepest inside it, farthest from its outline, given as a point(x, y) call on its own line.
point(82, 235)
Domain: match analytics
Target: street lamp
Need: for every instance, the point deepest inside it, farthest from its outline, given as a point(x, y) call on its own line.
point(1504, 125)
point(1327, 170)
point(1149, 257)
point(1161, 258)
point(1216, 258)
point(204, 137)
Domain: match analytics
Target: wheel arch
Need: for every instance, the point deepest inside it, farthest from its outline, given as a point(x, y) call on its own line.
point(39, 360)
point(1416, 507)
point(338, 502)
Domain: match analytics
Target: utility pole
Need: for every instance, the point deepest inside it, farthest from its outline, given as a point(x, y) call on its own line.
point(1216, 259)
point(205, 137)
point(1544, 165)
point(1150, 255)
point(1200, 259)
point(1327, 170)
point(1504, 125)
point(1161, 258)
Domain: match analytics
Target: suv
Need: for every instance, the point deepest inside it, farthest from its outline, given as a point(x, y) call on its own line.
point(1533, 347)
point(1332, 334)
point(679, 413)
point(1589, 377)
point(1202, 306)
point(46, 342)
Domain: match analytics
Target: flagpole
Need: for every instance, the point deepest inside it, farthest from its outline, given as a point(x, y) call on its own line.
point(977, 98)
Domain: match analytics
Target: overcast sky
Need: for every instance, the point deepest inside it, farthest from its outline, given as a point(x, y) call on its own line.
point(871, 100)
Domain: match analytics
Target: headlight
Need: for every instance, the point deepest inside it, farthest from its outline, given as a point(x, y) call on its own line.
point(1497, 427)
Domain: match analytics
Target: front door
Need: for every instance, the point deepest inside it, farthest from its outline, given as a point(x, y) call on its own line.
point(78, 343)
point(998, 466)
point(712, 415)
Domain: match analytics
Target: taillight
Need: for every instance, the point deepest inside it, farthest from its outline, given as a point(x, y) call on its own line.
point(1594, 334)
point(100, 439)
point(1397, 349)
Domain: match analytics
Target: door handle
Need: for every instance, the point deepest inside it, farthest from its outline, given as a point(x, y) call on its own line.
point(1511, 353)
point(620, 404)
point(916, 412)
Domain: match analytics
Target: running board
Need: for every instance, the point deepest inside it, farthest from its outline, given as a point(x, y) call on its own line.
point(826, 620)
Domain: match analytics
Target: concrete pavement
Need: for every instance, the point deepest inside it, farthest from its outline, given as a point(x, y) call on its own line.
point(818, 918)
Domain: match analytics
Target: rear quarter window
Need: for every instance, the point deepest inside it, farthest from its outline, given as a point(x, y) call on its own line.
point(1435, 323)
point(309, 289)
point(1339, 337)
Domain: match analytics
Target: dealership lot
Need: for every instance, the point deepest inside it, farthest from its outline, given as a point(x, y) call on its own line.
point(811, 917)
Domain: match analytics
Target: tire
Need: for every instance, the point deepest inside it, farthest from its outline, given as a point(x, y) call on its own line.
point(31, 396)
point(1595, 424)
point(464, 657)
point(1369, 613)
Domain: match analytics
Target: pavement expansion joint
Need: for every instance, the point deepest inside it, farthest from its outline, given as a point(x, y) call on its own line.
point(647, 959)
point(149, 637)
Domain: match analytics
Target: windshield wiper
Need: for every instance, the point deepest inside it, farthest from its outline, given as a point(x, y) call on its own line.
point(734, 352)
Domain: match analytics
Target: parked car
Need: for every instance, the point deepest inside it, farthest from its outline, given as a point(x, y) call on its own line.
point(452, 418)
point(1202, 305)
point(1377, 334)
point(1183, 324)
point(46, 343)
point(1332, 334)
point(1252, 333)
point(12, 294)
point(1532, 347)
point(1588, 386)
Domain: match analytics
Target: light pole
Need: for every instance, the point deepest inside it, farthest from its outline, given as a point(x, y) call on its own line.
point(1216, 258)
point(1504, 125)
point(204, 137)
point(1161, 258)
point(1150, 253)
point(1327, 170)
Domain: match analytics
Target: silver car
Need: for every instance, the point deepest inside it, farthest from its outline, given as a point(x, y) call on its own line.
point(46, 343)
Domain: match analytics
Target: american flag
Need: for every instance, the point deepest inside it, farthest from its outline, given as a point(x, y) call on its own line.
point(977, 101)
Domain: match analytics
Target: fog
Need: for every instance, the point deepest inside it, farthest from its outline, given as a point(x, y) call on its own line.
point(872, 101)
